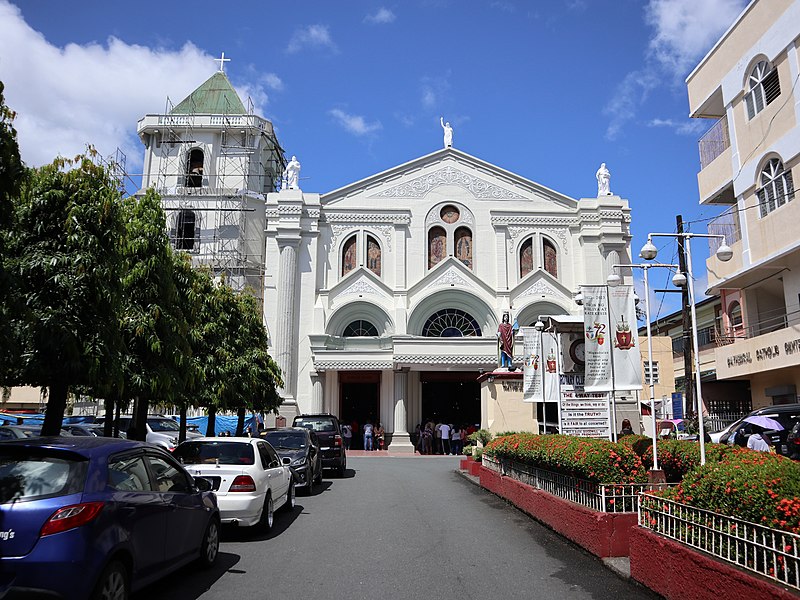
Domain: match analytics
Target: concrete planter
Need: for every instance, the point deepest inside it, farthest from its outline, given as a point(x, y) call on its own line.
point(602, 534)
point(674, 570)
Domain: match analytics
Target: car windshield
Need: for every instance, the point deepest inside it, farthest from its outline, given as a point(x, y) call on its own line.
point(27, 475)
point(290, 440)
point(223, 453)
point(163, 425)
point(315, 424)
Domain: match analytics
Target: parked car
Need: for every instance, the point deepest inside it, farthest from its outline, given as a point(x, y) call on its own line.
point(330, 439)
point(93, 517)
point(12, 432)
point(299, 448)
point(250, 480)
point(78, 419)
point(787, 415)
point(161, 431)
point(84, 429)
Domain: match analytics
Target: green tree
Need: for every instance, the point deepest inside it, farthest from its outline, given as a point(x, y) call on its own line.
point(65, 251)
point(12, 172)
point(157, 362)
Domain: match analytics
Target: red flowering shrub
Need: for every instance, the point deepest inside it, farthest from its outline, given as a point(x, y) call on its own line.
point(599, 461)
point(679, 457)
point(638, 443)
point(754, 486)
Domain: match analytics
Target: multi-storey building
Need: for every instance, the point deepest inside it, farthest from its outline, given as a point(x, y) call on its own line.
point(749, 161)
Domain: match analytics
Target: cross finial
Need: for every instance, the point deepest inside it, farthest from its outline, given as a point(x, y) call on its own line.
point(222, 60)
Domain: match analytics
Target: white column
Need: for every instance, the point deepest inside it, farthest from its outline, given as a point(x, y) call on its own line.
point(401, 441)
point(318, 392)
point(286, 334)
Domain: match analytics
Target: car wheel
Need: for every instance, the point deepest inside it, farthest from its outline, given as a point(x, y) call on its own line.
point(309, 482)
point(209, 549)
point(113, 583)
point(267, 514)
point(342, 468)
point(318, 479)
point(291, 497)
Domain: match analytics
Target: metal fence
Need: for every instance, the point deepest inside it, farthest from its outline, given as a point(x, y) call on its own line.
point(602, 497)
point(769, 552)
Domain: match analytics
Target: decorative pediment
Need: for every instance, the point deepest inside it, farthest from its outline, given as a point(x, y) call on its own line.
point(450, 273)
point(362, 282)
point(420, 186)
point(540, 283)
point(449, 278)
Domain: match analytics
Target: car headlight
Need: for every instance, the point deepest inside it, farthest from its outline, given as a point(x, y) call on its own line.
point(299, 462)
point(173, 441)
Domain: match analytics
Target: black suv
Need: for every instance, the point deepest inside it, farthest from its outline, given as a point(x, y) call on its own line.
point(329, 435)
point(301, 447)
point(788, 415)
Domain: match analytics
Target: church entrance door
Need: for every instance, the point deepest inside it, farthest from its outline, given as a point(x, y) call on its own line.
point(359, 401)
point(454, 398)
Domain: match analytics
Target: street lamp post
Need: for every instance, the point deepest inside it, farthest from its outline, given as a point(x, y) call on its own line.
point(724, 253)
point(614, 280)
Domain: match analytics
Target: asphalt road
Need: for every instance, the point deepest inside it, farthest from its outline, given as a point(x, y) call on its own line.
point(398, 528)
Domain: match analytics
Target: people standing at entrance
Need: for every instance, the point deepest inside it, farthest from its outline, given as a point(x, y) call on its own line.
point(427, 439)
point(455, 440)
point(379, 431)
point(368, 431)
point(437, 432)
point(347, 436)
point(444, 432)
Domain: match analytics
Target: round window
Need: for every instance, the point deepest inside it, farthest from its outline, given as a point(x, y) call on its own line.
point(450, 214)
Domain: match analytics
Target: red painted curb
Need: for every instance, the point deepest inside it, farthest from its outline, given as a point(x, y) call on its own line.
point(677, 571)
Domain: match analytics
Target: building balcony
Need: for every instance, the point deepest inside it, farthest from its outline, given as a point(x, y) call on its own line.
point(776, 347)
point(715, 179)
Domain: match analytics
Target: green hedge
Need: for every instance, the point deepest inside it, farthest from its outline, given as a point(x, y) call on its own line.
point(599, 461)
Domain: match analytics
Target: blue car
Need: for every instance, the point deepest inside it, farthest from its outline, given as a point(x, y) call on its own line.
point(93, 517)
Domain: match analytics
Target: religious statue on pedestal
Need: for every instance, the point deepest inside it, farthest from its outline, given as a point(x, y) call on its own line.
point(291, 175)
point(505, 339)
point(448, 133)
point(603, 181)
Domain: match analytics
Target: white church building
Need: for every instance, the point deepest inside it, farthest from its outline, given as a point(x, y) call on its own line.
point(382, 298)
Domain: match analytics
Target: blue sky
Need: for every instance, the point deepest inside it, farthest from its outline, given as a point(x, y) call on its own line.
point(546, 89)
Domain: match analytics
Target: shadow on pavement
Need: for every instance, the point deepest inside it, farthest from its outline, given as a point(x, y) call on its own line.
point(280, 524)
point(189, 582)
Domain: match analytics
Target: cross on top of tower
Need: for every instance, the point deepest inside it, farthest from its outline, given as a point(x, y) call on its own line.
point(222, 60)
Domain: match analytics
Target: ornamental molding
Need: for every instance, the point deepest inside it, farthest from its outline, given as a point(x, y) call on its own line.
point(345, 229)
point(515, 231)
point(541, 288)
point(377, 218)
point(435, 215)
point(419, 187)
point(438, 359)
point(360, 287)
point(450, 278)
point(531, 221)
point(352, 365)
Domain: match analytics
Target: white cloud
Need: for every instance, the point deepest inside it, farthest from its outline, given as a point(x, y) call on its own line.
point(94, 94)
point(313, 36)
point(355, 124)
point(434, 90)
point(381, 17)
point(686, 29)
point(272, 81)
point(681, 127)
point(628, 96)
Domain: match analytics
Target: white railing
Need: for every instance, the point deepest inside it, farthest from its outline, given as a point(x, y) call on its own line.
point(769, 552)
point(602, 497)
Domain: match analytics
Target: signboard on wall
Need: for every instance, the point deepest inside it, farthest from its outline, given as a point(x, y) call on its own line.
point(584, 414)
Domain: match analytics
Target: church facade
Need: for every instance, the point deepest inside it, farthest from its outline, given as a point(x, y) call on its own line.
point(383, 298)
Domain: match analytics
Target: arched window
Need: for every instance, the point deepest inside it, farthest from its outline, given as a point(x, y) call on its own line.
point(550, 257)
point(437, 246)
point(185, 230)
point(349, 258)
point(764, 87)
point(373, 255)
point(777, 187)
point(194, 168)
point(735, 316)
point(360, 328)
point(451, 322)
point(526, 257)
point(463, 239)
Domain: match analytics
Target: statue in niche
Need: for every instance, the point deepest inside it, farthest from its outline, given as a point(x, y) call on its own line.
point(291, 175)
point(448, 133)
point(603, 181)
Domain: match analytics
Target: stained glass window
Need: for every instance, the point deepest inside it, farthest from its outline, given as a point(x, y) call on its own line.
point(451, 322)
point(464, 246)
point(550, 258)
point(450, 214)
point(349, 258)
point(526, 257)
point(437, 246)
point(373, 255)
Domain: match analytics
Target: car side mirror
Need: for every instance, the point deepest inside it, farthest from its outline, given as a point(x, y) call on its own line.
point(287, 460)
point(202, 484)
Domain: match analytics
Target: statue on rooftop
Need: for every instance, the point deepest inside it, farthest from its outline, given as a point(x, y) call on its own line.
point(291, 175)
point(448, 133)
point(603, 181)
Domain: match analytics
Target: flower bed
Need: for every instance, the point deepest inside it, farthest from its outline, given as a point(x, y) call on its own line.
point(679, 457)
point(599, 461)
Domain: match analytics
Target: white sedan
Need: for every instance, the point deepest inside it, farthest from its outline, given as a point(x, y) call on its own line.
point(249, 478)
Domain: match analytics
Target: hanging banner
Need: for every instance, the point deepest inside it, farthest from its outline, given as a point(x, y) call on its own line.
point(551, 373)
point(598, 347)
point(532, 365)
point(625, 339)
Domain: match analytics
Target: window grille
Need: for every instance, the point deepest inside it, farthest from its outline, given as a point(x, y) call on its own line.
point(777, 187)
point(647, 372)
point(764, 88)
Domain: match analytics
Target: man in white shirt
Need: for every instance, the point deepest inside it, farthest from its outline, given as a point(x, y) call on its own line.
point(757, 442)
point(444, 428)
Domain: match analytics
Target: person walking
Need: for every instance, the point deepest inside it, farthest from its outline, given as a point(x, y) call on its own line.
point(368, 431)
point(455, 440)
point(347, 436)
point(444, 432)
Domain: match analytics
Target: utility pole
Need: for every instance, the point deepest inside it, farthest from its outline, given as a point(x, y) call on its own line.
point(688, 380)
